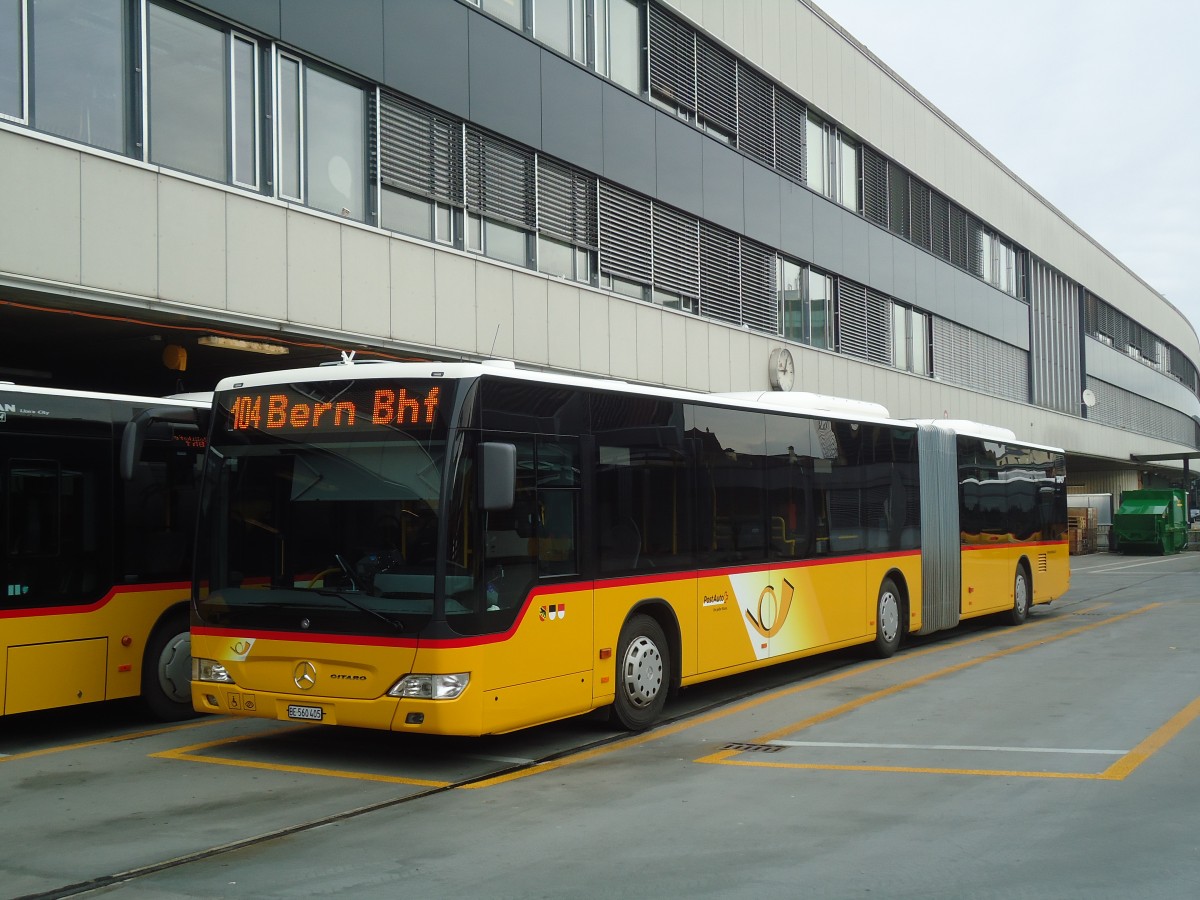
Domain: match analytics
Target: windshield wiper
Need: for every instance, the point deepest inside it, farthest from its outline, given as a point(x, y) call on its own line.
point(396, 625)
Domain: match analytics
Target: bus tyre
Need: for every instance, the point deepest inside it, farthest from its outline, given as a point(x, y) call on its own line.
point(888, 629)
point(167, 670)
point(643, 674)
point(1020, 608)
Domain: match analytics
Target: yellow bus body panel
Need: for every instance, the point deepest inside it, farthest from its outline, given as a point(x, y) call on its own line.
point(66, 656)
point(560, 657)
point(989, 572)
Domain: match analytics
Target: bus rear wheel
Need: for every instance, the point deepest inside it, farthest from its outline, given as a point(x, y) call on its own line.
point(888, 628)
point(643, 674)
point(167, 670)
point(1020, 608)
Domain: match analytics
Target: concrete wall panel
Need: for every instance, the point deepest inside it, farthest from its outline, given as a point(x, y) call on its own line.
point(413, 292)
point(42, 181)
point(314, 270)
point(191, 243)
point(256, 253)
point(118, 236)
point(366, 282)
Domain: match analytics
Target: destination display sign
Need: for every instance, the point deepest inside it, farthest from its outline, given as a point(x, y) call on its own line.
point(291, 409)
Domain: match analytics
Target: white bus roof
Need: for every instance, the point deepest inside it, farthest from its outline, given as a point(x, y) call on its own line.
point(195, 399)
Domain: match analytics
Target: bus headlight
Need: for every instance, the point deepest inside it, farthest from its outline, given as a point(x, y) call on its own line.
point(210, 670)
point(431, 687)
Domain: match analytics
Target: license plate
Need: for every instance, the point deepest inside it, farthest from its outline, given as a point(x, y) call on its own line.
point(313, 713)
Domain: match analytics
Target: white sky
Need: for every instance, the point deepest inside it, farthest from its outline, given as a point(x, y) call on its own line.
point(1095, 104)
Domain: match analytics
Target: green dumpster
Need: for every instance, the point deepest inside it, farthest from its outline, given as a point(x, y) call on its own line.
point(1151, 521)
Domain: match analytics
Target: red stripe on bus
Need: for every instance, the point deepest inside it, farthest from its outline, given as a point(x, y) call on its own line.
point(79, 609)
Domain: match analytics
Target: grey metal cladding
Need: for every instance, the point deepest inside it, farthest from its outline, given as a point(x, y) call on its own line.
point(572, 114)
point(762, 202)
point(348, 33)
point(425, 53)
point(506, 81)
point(856, 256)
point(795, 220)
point(723, 190)
point(259, 15)
point(881, 247)
point(904, 261)
point(941, 572)
point(827, 234)
point(629, 136)
point(678, 151)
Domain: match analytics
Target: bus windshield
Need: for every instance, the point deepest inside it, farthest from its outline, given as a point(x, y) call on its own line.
point(322, 505)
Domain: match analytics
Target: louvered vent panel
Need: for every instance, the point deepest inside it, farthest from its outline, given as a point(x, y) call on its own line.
point(676, 251)
point(760, 305)
point(897, 200)
point(879, 327)
point(875, 187)
point(566, 203)
point(420, 151)
point(1131, 412)
point(939, 225)
point(756, 111)
point(624, 237)
point(500, 182)
point(373, 118)
point(918, 197)
point(672, 59)
point(717, 85)
point(790, 119)
point(979, 361)
point(958, 236)
point(974, 247)
point(852, 319)
point(720, 280)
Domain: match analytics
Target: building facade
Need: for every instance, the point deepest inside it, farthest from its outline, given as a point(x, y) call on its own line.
point(662, 192)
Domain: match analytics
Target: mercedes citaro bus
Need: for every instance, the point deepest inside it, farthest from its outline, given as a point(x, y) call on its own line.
point(471, 548)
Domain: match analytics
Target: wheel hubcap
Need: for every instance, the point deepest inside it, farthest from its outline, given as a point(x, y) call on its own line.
point(889, 616)
point(175, 668)
point(1021, 595)
point(642, 671)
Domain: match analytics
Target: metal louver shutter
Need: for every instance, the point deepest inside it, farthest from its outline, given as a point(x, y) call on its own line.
point(875, 187)
point(720, 280)
point(500, 182)
point(879, 328)
point(940, 224)
point(717, 85)
point(918, 195)
point(672, 59)
point(790, 121)
point(624, 235)
point(760, 304)
point(897, 200)
point(566, 203)
point(974, 247)
point(851, 318)
point(676, 252)
point(420, 151)
point(958, 236)
point(979, 361)
point(756, 111)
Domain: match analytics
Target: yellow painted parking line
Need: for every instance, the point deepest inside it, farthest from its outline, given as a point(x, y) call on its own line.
point(1116, 772)
point(668, 730)
point(191, 754)
point(115, 739)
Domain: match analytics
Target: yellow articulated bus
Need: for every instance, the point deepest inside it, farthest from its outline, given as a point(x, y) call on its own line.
point(471, 549)
point(97, 516)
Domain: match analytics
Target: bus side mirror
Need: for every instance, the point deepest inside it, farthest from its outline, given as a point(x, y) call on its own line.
point(497, 475)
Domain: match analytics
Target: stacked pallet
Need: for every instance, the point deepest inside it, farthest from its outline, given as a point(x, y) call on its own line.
point(1081, 530)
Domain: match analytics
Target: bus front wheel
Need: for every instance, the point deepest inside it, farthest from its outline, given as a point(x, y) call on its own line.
point(167, 670)
point(643, 674)
point(1020, 608)
point(888, 628)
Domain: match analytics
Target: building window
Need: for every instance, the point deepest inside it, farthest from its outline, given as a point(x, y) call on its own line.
point(497, 240)
point(847, 171)
point(910, 340)
point(509, 11)
point(619, 44)
point(79, 60)
point(322, 140)
point(816, 173)
point(805, 310)
point(819, 309)
point(12, 60)
point(790, 289)
point(562, 25)
point(203, 90)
